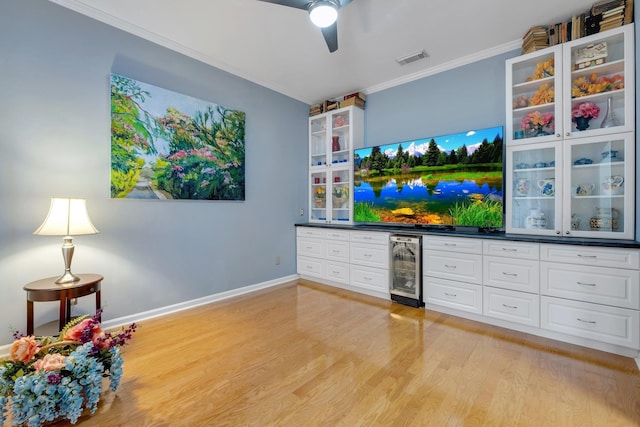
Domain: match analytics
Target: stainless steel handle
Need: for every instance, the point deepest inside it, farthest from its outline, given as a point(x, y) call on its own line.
point(513, 307)
point(509, 250)
point(586, 256)
point(451, 266)
point(510, 274)
point(592, 322)
point(451, 295)
point(586, 284)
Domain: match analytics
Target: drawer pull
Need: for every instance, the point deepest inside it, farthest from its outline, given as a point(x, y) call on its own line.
point(591, 322)
point(335, 272)
point(334, 251)
point(452, 267)
point(586, 284)
point(586, 256)
point(509, 250)
point(367, 238)
point(368, 278)
point(450, 295)
point(504, 273)
point(309, 247)
point(513, 307)
point(367, 255)
point(450, 244)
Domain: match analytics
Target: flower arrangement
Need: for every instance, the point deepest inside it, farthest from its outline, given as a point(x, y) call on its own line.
point(536, 122)
point(51, 378)
point(544, 95)
point(583, 86)
point(320, 193)
point(587, 110)
point(543, 69)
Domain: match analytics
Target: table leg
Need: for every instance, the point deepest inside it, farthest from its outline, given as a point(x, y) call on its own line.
point(29, 317)
point(64, 308)
point(98, 304)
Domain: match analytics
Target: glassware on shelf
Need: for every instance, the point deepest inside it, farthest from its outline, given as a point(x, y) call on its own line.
point(610, 119)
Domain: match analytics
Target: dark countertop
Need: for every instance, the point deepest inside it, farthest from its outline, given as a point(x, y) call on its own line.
point(475, 234)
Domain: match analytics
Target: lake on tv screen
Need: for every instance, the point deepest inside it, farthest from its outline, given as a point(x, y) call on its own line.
point(426, 182)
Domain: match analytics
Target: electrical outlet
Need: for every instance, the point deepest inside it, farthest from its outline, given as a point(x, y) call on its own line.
point(277, 260)
point(301, 212)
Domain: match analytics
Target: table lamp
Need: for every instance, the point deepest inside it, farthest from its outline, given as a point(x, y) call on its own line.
point(67, 217)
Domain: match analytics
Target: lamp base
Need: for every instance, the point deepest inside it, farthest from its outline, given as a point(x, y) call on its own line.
point(67, 278)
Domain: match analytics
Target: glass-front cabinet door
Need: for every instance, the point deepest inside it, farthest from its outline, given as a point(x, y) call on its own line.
point(534, 96)
point(598, 81)
point(534, 195)
point(600, 177)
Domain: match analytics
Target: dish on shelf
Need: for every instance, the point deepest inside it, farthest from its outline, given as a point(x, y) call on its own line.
point(540, 165)
point(522, 166)
point(583, 161)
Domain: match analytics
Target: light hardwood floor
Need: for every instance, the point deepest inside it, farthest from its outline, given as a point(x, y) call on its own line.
point(304, 354)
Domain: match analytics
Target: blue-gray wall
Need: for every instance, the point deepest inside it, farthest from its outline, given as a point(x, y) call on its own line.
point(55, 141)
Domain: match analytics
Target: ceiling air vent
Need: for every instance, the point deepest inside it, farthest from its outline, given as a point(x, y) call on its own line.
point(412, 58)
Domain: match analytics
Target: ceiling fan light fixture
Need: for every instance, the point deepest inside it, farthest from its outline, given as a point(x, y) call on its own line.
point(323, 13)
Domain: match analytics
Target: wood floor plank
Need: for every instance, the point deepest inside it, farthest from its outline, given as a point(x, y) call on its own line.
point(305, 354)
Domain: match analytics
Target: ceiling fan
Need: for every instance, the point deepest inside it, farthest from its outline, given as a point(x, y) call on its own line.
point(323, 13)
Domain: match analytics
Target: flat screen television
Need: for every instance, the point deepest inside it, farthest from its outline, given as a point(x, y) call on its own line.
point(445, 181)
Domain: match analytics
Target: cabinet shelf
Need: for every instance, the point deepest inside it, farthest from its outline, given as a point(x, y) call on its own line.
point(541, 107)
point(520, 88)
point(602, 69)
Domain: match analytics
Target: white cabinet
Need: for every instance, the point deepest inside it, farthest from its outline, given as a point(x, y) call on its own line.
point(323, 254)
point(570, 166)
point(580, 187)
point(591, 292)
point(452, 273)
point(547, 88)
point(332, 138)
point(511, 282)
point(369, 257)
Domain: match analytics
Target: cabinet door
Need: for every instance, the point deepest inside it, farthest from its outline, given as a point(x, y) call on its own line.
point(318, 197)
point(534, 97)
point(340, 193)
point(318, 141)
point(598, 75)
point(600, 177)
point(533, 189)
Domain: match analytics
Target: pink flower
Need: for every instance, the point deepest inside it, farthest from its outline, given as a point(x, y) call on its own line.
point(23, 349)
point(85, 331)
point(586, 109)
point(50, 362)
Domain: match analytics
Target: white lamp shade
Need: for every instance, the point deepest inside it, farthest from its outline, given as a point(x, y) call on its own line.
point(66, 217)
point(323, 13)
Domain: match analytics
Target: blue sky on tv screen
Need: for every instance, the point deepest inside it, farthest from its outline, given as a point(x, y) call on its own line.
point(471, 139)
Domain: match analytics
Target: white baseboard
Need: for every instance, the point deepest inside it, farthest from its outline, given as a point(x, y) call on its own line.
point(163, 311)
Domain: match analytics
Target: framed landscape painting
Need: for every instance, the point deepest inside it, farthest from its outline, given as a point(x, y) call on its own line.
point(165, 145)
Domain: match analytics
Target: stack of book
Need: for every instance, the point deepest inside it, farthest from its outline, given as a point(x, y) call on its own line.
point(613, 13)
point(315, 109)
point(535, 39)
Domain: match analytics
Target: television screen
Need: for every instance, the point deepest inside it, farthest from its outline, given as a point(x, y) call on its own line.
point(449, 180)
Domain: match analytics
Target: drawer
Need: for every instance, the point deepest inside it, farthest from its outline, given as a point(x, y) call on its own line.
point(513, 306)
point(370, 237)
point(611, 286)
point(336, 234)
point(310, 266)
point(310, 232)
point(447, 265)
point(310, 247)
point(518, 250)
point(593, 256)
point(454, 244)
point(370, 255)
point(338, 272)
point(373, 279)
point(447, 293)
point(337, 250)
point(509, 273)
point(612, 325)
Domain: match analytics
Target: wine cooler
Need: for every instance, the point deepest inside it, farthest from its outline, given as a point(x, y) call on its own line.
point(405, 270)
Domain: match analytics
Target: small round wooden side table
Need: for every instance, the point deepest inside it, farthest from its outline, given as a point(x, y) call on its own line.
point(47, 290)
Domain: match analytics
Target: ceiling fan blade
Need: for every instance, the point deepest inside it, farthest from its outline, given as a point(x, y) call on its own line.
point(331, 36)
point(343, 3)
point(298, 4)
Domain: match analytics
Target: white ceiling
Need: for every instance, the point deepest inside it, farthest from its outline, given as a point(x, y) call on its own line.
point(278, 47)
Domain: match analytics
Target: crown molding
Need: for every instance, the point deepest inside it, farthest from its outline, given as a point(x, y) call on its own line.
point(459, 62)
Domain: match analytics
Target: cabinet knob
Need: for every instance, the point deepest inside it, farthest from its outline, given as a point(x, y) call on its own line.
point(567, 232)
point(568, 134)
point(558, 135)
